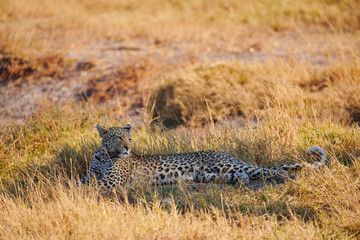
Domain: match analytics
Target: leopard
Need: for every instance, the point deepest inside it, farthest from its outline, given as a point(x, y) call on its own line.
point(115, 166)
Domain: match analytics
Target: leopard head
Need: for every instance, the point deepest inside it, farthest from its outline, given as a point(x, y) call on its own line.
point(116, 141)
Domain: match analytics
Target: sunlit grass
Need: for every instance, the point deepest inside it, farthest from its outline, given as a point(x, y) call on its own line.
point(60, 26)
point(217, 91)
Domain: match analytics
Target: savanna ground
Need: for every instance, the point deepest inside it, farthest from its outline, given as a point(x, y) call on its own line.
point(263, 80)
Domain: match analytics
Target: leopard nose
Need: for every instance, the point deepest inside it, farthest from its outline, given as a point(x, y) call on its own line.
point(126, 147)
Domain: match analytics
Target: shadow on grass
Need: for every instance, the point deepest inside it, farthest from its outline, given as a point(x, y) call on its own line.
point(68, 165)
point(74, 163)
point(232, 201)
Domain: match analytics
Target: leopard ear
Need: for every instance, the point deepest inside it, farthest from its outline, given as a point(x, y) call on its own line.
point(102, 131)
point(128, 127)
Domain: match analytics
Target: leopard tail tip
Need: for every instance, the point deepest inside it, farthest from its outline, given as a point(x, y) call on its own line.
point(319, 153)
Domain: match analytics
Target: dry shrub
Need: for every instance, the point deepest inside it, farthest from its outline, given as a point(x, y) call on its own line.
point(124, 84)
point(20, 70)
point(12, 68)
point(52, 65)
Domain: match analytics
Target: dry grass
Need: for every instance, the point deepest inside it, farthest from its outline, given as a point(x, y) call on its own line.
point(52, 26)
point(54, 147)
point(306, 210)
point(268, 112)
point(217, 91)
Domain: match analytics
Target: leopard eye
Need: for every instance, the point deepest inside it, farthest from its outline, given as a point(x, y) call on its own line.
point(130, 139)
point(121, 138)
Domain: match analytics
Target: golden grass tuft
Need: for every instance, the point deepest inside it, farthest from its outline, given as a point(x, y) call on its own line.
point(215, 91)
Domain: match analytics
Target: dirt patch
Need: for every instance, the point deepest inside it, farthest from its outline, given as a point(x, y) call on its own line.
point(105, 73)
point(19, 70)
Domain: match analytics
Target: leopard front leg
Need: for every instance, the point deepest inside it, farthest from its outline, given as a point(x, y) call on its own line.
point(116, 177)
